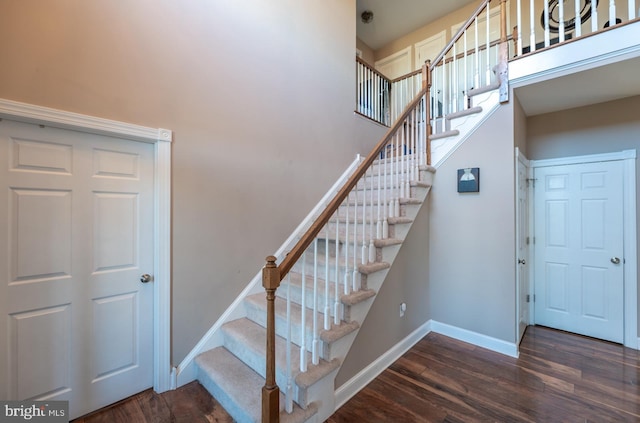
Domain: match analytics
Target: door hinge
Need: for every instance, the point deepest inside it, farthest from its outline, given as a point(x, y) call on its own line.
point(528, 241)
point(531, 182)
point(528, 298)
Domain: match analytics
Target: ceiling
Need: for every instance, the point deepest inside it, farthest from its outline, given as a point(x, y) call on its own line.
point(597, 85)
point(394, 18)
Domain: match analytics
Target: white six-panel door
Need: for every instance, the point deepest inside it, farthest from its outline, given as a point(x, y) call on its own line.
point(522, 245)
point(579, 249)
point(77, 232)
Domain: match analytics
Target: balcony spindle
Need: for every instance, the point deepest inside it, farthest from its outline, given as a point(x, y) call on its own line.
point(547, 40)
point(612, 12)
point(488, 46)
point(561, 19)
point(578, 18)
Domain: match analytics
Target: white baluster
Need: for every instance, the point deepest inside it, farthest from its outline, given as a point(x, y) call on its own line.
point(519, 26)
point(379, 221)
point(477, 65)
point(397, 178)
point(303, 315)
point(465, 98)
point(612, 12)
point(371, 233)
point(632, 9)
point(327, 300)
point(547, 41)
point(385, 223)
point(454, 71)
point(336, 304)
point(561, 19)
point(578, 18)
point(488, 46)
point(594, 15)
point(532, 29)
point(347, 275)
point(316, 343)
point(354, 277)
point(364, 256)
point(289, 387)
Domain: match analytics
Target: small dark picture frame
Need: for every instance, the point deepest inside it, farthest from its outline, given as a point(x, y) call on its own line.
point(469, 179)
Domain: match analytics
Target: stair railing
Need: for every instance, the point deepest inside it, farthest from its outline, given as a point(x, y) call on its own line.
point(352, 222)
point(542, 24)
point(403, 90)
point(372, 93)
point(468, 62)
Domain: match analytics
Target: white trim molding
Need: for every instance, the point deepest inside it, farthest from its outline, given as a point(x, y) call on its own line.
point(630, 232)
point(369, 373)
point(161, 138)
point(354, 385)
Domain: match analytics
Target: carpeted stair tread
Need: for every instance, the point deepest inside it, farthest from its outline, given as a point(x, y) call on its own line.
point(246, 340)
point(258, 302)
point(296, 287)
point(238, 388)
point(381, 243)
point(357, 296)
point(370, 268)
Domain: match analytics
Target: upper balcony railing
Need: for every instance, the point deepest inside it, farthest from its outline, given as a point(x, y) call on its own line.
point(470, 61)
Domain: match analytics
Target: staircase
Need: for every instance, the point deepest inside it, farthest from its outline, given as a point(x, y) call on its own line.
point(322, 283)
point(235, 371)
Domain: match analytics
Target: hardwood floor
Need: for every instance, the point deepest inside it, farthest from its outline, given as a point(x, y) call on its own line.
point(559, 377)
point(189, 403)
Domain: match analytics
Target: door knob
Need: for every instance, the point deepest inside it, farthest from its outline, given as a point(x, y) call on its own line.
point(144, 278)
point(615, 260)
point(521, 261)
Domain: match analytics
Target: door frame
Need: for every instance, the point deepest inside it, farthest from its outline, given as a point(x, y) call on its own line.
point(521, 158)
point(630, 271)
point(161, 139)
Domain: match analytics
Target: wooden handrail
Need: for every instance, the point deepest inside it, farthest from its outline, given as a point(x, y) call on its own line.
point(407, 76)
point(308, 237)
point(462, 29)
point(368, 66)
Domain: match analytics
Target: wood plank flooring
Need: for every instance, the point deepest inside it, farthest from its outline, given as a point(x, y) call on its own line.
point(559, 377)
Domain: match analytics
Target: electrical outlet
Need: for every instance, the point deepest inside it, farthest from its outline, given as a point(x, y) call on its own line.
point(403, 308)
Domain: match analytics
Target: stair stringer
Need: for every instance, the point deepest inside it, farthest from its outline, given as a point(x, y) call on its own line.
point(442, 148)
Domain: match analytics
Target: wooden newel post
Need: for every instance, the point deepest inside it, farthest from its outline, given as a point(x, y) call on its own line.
point(426, 84)
point(270, 390)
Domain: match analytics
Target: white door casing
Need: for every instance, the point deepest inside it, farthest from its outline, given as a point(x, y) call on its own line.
point(523, 256)
point(583, 209)
point(161, 152)
point(395, 65)
point(429, 48)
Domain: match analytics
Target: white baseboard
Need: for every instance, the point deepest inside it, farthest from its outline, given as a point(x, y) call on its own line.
point(369, 373)
point(366, 375)
point(477, 339)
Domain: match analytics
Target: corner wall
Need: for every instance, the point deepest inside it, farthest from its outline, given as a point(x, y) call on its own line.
point(472, 235)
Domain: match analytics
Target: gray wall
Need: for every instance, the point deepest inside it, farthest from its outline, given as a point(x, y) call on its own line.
point(600, 128)
point(472, 235)
point(259, 94)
